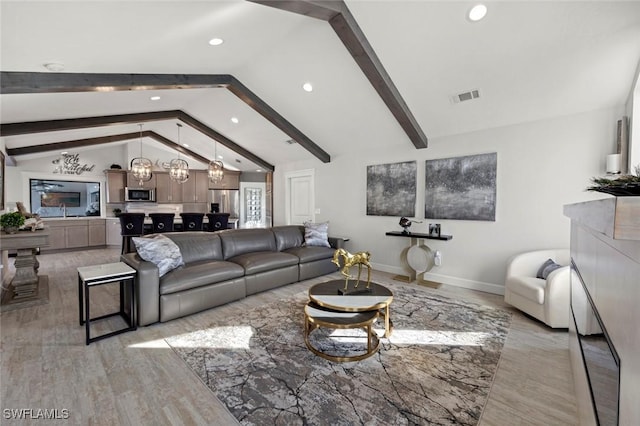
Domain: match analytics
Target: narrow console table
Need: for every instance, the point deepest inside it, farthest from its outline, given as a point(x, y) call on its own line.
point(418, 257)
point(26, 287)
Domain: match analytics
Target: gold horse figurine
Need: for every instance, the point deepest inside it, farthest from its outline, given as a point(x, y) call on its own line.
point(360, 258)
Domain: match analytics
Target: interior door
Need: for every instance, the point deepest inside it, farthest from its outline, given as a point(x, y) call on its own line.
point(300, 197)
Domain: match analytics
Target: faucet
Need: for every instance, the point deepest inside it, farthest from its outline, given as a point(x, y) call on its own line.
point(63, 209)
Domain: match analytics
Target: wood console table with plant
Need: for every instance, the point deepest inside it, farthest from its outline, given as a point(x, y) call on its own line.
point(26, 285)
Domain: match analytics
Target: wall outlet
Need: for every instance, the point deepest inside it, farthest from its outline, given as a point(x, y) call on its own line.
point(437, 258)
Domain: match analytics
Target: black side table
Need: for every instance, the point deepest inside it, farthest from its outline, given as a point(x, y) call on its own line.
point(89, 276)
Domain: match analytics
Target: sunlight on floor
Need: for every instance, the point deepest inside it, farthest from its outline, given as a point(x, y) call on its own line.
point(231, 337)
point(418, 337)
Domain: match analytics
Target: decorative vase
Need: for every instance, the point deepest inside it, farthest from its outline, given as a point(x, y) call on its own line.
point(11, 229)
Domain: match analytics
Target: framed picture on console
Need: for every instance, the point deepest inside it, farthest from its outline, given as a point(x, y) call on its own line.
point(434, 230)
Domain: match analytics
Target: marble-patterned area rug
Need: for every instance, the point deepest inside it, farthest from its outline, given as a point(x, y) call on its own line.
point(436, 367)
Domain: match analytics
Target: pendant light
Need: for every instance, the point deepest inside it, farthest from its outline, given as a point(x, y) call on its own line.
point(178, 168)
point(140, 166)
point(216, 168)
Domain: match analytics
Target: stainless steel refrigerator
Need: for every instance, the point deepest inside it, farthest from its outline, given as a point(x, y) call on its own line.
point(225, 201)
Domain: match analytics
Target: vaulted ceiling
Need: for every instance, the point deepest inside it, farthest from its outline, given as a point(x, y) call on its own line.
point(528, 60)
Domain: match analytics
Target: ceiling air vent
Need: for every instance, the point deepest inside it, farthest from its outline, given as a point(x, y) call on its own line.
point(465, 96)
point(290, 141)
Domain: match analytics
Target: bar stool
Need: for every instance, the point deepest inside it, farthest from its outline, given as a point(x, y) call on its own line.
point(162, 222)
point(218, 221)
point(192, 221)
point(131, 225)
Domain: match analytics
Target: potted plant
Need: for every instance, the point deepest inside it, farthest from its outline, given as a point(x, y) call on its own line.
point(10, 222)
point(625, 185)
point(116, 212)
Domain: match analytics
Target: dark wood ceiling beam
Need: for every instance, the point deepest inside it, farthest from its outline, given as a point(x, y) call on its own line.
point(78, 143)
point(30, 82)
point(14, 129)
point(29, 127)
point(57, 82)
point(347, 29)
point(250, 98)
point(67, 145)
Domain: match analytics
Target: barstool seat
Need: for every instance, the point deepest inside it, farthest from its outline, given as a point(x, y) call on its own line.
point(192, 221)
point(162, 222)
point(218, 221)
point(131, 225)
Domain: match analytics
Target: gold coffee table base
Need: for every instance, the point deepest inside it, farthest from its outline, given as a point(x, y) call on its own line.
point(316, 316)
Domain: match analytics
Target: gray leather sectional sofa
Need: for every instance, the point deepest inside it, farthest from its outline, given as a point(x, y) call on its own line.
point(221, 267)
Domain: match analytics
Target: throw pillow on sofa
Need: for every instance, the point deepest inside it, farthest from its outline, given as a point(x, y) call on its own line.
point(160, 250)
point(316, 234)
point(547, 267)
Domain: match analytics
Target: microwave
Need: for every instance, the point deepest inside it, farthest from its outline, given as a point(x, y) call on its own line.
point(139, 194)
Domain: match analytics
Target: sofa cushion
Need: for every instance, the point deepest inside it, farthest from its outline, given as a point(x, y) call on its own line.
point(160, 250)
point(310, 254)
point(547, 267)
point(242, 241)
point(316, 234)
point(197, 246)
point(199, 274)
point(255, 263)
point(528, 287)
point(288, 236)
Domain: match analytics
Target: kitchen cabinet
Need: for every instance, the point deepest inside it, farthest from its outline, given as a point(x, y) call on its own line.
point(97, 235)
point(75, 233)
point(196, 189)
point(167, 191)
point(230, 180)
point(135, 183)
point(116, 182)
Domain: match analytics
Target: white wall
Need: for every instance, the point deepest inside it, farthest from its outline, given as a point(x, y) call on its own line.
point(541, 167)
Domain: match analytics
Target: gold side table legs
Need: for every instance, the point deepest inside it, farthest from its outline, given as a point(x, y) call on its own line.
point(316, 317)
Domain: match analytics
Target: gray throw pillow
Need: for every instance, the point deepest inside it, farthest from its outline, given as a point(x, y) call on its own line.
point(316, 234)
point(160, 250)
point(547, 267)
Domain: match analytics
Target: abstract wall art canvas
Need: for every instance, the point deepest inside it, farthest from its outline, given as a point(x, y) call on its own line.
point(391, 189)
point(462, 188)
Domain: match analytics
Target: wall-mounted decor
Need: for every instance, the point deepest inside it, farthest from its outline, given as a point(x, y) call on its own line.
point(462, 188)
point(69, 164)
point(391, 189)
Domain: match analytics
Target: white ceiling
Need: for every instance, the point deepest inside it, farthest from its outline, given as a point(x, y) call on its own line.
point(530, 61)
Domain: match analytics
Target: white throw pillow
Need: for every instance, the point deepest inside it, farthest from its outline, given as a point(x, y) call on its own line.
point(316, 234)
point(160, 250)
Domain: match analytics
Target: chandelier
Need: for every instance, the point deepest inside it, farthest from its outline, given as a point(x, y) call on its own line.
point(216, 168)
point(140, 166)
point(178, 168)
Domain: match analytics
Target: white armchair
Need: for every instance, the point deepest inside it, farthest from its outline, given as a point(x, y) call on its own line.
point(546, 300)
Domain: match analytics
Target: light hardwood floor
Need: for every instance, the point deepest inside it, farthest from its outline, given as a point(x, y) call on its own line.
point(136, 379)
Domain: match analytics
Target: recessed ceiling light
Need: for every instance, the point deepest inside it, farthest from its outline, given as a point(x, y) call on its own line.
point(477, 12)
point(307, 87)
point(220, 156)
point(216, 41)
point(235, 120)
point(155, 98)
point(64, 152)
point(186, 145)
point(54, 66)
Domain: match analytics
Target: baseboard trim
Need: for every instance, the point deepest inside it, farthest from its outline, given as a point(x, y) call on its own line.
point(447, 279)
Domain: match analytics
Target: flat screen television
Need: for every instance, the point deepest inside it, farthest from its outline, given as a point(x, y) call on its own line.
point(56, 199)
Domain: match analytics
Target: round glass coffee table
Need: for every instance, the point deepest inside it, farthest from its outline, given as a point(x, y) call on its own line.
point(330, 309)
